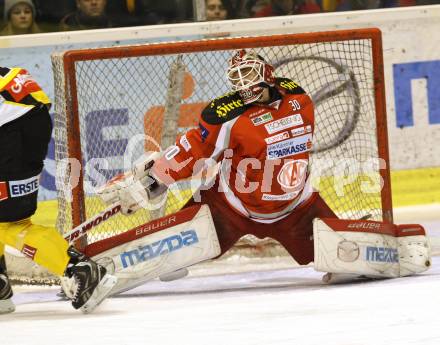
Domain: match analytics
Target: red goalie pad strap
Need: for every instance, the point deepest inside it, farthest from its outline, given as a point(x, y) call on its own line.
point(410, 230)
point(375, 227)
point(140, 231)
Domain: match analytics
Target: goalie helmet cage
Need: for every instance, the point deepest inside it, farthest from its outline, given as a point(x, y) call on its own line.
point(106, 97)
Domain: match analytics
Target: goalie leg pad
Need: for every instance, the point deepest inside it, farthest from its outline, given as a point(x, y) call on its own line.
point(158, 248)
point(369, 248)
point(414, 249)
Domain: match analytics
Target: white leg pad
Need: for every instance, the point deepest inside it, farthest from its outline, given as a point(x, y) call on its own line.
point(369, 248)
point(414, 249)
point(158, 248)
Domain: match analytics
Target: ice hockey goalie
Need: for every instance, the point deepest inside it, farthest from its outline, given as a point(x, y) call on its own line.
point(260, 134)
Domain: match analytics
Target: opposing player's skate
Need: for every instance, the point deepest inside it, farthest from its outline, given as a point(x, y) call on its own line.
point(6, 304)
point(92, 282)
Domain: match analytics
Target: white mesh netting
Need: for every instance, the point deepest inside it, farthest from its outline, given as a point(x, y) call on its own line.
point(122, 99)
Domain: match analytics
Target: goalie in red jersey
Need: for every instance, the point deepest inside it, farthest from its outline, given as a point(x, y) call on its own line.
point(261, 133)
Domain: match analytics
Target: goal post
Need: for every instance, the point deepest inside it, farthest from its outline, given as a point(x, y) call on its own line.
point(112, 104)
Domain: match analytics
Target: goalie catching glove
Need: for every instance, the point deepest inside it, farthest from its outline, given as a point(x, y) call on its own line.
point(135, 189)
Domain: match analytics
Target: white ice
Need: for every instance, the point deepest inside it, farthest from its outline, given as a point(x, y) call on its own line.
point(256, 304)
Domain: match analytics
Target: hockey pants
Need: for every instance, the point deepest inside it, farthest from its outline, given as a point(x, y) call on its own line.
point(42, 244)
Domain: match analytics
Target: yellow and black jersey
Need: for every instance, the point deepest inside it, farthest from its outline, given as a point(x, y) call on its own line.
point(19, 93)
point(230, 105)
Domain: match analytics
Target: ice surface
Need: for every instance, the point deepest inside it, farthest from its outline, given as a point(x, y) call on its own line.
point(214, 306)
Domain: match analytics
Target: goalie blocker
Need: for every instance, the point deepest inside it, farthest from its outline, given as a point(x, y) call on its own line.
point(370, 248)
point(158, 248)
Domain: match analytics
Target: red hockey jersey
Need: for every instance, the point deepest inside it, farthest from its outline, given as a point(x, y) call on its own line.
point(263, 149)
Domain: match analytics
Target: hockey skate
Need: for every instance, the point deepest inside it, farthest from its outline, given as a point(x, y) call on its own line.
point(6, 304)
point(92, 283)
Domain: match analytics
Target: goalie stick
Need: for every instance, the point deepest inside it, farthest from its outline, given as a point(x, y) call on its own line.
point(79, 231)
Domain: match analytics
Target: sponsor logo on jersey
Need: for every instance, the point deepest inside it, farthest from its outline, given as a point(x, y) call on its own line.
point(277, 137)
point(275, 104)
point(259, 120)
point(293, 174)
point(284, 123)
point(172, 152)
point(227, 94)
point(289, 85)
point(3, 191)
point(290, 147)
point(23, 187)
point(381, 254)
point(282, 197)
point(298, 131)
point(22, 85)
point(185, 143)
point(165, 246)
point(19, 81)
point(29, 251)
point(301, 130)
point(203, 132)
point(257, 112)
point(223, 109)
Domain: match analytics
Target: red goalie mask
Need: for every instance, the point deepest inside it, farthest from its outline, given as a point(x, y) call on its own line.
point(249, 74)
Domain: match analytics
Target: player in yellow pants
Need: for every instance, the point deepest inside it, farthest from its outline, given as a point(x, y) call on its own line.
point(42, 244)
point(48, 248)
point(25, 131)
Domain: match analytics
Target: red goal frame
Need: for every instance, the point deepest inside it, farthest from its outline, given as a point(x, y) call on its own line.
point(73, 56)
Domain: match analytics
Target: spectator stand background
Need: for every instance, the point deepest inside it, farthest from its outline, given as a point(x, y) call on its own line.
point(217, 10)
point(117, 13)
point(19, 18)
point(87, 15)
point(126, 13)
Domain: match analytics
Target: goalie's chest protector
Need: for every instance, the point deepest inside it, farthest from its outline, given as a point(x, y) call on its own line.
point(283, 129)
point(271, 146)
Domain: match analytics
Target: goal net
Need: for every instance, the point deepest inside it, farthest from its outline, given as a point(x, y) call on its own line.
point(113, 104)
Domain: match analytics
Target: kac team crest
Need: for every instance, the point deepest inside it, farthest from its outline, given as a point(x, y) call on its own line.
point(293, 174)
